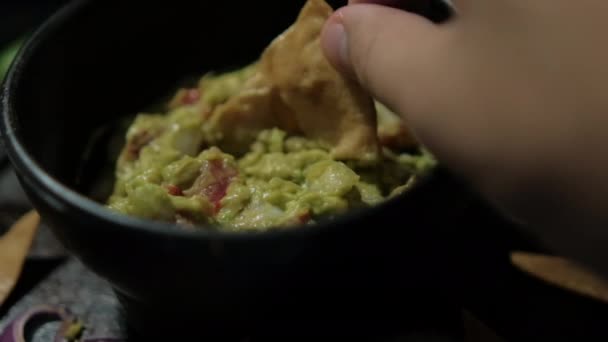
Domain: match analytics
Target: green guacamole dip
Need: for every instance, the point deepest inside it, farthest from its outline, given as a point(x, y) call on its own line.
point(169, 170)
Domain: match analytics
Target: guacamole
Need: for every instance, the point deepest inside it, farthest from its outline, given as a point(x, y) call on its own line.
point(276, 144)
point(168, 171)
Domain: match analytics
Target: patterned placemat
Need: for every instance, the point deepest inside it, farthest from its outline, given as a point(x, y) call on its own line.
point(84, 294)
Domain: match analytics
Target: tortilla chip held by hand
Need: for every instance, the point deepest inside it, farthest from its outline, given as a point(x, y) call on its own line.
point(296, 89)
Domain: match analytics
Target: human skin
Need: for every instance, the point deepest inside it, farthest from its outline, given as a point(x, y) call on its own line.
point(509, 94)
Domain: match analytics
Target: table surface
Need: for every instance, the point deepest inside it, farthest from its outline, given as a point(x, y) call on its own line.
point(84, 294)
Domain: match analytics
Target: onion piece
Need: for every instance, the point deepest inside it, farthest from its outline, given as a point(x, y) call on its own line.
point(16, 330)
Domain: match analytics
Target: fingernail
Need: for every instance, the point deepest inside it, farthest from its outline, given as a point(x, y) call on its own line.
point(335, 43)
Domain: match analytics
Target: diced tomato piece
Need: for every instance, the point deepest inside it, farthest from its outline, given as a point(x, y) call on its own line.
point(191, 96)
point(135, 144)
point(174, 190)
point(223, 176)
point(305, 217)
point(214, 181)
point(217, 206)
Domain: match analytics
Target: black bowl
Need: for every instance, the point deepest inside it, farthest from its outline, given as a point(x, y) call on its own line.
point(96, 61)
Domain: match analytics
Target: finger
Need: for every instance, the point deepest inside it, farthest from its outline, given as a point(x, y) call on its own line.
point(408, 4)
point(414, 6)
point(394, 54)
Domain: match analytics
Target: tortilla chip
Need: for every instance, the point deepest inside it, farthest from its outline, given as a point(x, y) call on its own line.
point(392, 130)
point(296, 89)
point(236, 123)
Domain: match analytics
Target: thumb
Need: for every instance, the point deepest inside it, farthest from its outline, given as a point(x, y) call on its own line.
point(393, 53)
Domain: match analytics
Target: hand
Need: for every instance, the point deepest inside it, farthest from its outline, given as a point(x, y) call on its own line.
point(509, 94)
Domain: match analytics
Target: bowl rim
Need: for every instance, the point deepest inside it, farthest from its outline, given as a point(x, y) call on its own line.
point(54, 191)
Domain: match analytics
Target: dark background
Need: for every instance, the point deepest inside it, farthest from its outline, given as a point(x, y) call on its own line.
point(516, 306)
point(19, 16)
